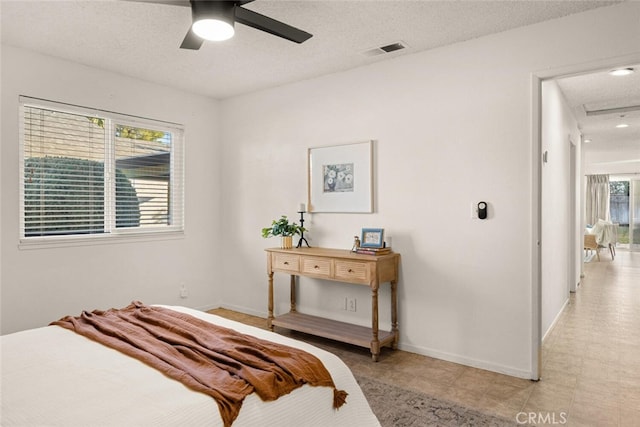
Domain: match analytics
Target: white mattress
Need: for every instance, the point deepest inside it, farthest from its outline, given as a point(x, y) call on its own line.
point(54, 377)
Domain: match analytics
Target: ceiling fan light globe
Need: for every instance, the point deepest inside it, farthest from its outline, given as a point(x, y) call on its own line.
point(213, 29)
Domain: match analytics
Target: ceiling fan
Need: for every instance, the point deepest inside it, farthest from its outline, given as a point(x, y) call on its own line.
point(215, 19)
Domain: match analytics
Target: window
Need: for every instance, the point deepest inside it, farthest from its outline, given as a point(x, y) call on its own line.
point(88, 173)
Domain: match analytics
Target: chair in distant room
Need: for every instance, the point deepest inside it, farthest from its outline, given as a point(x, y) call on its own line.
point(590, 244)
point(602, 235)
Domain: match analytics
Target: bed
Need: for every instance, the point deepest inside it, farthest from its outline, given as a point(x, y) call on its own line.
point(52, 376)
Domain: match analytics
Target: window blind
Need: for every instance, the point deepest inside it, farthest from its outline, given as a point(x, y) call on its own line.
point(98, 173)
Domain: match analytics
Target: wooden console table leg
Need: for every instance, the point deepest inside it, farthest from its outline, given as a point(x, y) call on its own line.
point(293, 293)
point(270, 306)
point(394, 314)
point(375, 342)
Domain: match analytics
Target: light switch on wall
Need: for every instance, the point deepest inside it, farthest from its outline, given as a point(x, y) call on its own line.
point(482, 210)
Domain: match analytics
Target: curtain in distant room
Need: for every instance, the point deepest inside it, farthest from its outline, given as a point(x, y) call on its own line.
point(597, 200)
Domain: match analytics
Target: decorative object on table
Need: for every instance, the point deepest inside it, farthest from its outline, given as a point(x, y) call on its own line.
point(356, 244)
point(373, 251)
point(301, 211)
point(340, 178)
point(282, 227)
point(372, 238)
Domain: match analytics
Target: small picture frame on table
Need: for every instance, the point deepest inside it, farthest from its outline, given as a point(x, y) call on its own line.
point(372, 238)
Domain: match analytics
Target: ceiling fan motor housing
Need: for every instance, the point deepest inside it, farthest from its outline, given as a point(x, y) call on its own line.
point(219, 10)
point(215, 20)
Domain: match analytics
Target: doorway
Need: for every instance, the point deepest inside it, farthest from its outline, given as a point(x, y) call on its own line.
point(543, 207)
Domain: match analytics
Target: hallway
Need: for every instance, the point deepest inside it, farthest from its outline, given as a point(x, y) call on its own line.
point(591, 359)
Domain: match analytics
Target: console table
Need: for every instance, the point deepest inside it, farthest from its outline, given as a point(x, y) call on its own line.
point(342, 266)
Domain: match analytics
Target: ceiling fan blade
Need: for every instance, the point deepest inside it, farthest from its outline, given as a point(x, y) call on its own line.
point(169, 2)
point(271, 26)
point(191, 41)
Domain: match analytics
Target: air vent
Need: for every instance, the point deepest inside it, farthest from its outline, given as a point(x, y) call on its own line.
point(392, 47)
point(385, 49)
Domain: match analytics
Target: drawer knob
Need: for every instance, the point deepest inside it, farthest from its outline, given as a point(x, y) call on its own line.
point(316, 267)
point(350, 271)
point(286, 263)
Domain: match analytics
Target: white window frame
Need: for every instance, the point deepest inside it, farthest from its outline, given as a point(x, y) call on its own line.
point(111, 233)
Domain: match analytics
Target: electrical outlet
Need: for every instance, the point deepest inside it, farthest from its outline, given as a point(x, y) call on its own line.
point(351, 304)
point(183, 291)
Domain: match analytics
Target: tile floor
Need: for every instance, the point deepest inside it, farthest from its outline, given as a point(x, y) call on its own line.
point(591, 359)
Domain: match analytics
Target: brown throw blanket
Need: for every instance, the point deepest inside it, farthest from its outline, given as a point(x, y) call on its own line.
point(217, 361)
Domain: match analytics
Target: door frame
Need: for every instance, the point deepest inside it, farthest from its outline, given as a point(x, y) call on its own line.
point(574, 252)
point(537, 77)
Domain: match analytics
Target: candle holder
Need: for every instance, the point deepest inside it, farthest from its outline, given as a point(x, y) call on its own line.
point(302, 239)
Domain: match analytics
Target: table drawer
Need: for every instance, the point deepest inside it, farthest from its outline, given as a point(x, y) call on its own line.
point(352, 271)
point(286, 262)
point(316, 266)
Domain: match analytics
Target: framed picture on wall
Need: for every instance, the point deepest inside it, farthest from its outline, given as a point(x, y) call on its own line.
point(340, 178)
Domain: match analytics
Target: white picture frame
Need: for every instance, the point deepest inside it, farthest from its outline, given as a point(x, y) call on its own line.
point(340, 178)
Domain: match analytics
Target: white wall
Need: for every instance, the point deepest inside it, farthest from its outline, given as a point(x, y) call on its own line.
point(452, 126)
point(39, 286)
point(608, 158)
point(559, 216)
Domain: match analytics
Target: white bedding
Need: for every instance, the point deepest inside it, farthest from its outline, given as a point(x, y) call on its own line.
point(54, 377)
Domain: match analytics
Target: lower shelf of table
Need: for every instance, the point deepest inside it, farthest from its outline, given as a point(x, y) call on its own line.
point(332, 329)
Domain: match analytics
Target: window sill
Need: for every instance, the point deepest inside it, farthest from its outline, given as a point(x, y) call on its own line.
point(94, 240)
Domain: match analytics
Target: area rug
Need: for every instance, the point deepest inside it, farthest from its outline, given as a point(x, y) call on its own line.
point(397, 407)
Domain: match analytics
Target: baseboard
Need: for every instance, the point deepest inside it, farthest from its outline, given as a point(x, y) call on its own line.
point(419, 350)
point(555, 320)
point(244, 310)
point(467, 361)
point(206, 307)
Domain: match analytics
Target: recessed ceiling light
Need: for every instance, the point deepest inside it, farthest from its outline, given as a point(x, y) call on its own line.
point(586, 141)
point(622, 71)
point(622, 125)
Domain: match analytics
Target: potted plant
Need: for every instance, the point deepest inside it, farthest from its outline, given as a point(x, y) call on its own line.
point(285, 229)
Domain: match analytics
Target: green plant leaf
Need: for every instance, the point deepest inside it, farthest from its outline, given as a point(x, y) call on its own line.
point(282, 227)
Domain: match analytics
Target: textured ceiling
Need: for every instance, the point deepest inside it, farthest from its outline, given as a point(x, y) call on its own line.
point(601, 91)
point(142, 40)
